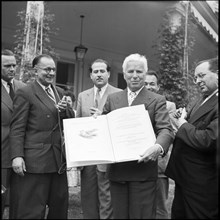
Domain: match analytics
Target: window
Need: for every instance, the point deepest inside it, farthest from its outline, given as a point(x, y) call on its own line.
point(121, 81)
point(65, 75)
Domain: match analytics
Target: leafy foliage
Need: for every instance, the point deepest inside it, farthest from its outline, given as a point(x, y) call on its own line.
point(176, 85)
point(20, 37)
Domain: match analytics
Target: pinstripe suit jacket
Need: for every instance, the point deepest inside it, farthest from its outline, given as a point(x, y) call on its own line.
point(35, 131)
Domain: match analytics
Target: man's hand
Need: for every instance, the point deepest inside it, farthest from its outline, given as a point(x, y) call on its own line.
point(95, 112)
point(180, 113)
point(62, 104)
point(178, 118)
point(180, 121)
point(150, 154)
point(18, 166)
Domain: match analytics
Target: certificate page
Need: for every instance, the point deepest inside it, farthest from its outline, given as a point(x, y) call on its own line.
point(87, 141)
point(131, 132)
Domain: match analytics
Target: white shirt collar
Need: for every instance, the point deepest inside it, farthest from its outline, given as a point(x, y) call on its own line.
point(44, 87)
point(102, 90)
point(207, 98)
point(137, 92)
point(5, 84)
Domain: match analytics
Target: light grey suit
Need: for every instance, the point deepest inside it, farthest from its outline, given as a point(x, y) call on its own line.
point(95, 192)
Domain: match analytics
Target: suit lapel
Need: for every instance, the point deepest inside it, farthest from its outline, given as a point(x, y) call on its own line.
point(44, 98)
point(203, 109)
point(17, 84)
point(90, 98)
point(105, 95)
point(56, 93)
point(6, 99)
point(143, 97)
point(121, 100)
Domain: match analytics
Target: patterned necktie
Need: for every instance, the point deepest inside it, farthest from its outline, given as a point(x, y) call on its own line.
point(132, 96)
point(11, 91)
point(48, 91)
point(97, 98)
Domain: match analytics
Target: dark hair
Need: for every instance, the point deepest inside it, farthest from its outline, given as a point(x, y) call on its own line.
point(7, 52)
point(153, 73)
point(100, 61)
point(36, 60)
point(70, 93)
point(213, 64)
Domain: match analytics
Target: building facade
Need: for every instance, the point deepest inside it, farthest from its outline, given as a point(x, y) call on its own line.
point(112, 30)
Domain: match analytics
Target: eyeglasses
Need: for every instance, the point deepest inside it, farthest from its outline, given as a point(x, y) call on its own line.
point(199, 76)
point(10, 65)
point(48, 69)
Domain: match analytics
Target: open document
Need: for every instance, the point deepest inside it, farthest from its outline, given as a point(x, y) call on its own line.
point(121, 135)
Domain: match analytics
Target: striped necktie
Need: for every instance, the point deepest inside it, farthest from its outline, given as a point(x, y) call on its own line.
point(11, 90)
point(97, 98)
point(49, 93)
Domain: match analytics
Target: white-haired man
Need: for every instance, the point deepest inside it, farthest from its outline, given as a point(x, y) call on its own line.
point(133, 184)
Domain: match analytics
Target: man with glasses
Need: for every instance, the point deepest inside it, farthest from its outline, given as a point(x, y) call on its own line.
point(193, 160)
point(9, 87)
point(37, 152)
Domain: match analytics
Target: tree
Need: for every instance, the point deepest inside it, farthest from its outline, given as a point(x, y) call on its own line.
point(32, 29)
point(175, 84)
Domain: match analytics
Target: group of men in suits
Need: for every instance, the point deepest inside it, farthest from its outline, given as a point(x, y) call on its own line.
point(136, 190)
point(35, 148)
point(122, 190)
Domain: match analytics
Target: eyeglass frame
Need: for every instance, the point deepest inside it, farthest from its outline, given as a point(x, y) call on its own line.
point(48, 69)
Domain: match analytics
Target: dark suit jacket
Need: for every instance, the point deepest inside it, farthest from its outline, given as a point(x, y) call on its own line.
point(156, 106)
point(193, 163)
point(35, 131)
point(162, 161)
point(6, 113)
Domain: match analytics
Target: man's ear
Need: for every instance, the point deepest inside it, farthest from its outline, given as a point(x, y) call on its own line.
point(158, 86)
point(35, 69)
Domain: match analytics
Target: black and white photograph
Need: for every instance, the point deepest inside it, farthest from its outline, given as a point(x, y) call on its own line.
point(109, 110)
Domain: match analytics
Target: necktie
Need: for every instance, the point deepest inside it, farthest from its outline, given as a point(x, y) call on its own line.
point(11, 92)
point(48, 91)
point(132, 96)
point(97, 98)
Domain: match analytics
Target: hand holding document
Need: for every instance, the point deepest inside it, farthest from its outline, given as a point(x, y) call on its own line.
point(121, 135)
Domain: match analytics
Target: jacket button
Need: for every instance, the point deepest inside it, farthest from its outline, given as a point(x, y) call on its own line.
point(48, 116)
